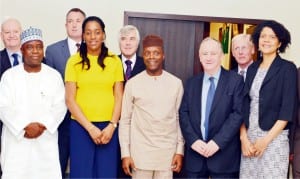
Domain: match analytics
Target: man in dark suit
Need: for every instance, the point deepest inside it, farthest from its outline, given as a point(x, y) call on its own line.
point(57, 56)
point(210, 117)
point(11, 54)
point(129, 39)
point(10, 33)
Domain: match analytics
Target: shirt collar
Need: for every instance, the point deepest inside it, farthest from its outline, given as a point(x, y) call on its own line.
point(216, 75)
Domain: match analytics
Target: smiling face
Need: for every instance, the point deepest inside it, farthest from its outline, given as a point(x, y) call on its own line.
point(10, 34)
point(93, 36)
point(211, 55)
point(268, 42)
point(33, 54)
point(153, 59)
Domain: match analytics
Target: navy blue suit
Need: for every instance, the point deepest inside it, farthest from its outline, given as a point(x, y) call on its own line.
point(224, 122)
point(4, 61)
point(57, 56)
point(138, 67)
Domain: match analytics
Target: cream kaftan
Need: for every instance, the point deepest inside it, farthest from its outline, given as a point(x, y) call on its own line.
point(25, 98)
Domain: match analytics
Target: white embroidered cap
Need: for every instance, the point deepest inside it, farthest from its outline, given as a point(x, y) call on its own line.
point(31, 34)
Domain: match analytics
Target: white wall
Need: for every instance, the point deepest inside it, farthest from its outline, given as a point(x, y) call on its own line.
point(49, 15)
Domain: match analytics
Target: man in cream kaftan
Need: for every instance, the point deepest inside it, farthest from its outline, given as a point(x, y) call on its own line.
point(149, 132)
point(31, 98)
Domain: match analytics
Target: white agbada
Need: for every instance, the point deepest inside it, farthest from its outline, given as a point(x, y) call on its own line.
point(25, 98)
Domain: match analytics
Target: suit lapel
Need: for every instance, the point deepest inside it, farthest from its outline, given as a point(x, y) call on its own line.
point(197, 98)
point(65, 50)
point(273, 70)
point(221, 86)
point(138, 66)
point(251, 72)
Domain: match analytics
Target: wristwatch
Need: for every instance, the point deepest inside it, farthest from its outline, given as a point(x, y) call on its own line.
point(115, 125)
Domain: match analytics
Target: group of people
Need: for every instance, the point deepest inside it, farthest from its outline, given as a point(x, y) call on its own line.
point(84, 105)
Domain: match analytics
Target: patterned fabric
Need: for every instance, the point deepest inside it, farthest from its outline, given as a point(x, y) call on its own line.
point(274, 161)
point(31, 34)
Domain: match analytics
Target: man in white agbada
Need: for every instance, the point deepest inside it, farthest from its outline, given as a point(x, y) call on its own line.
point(32, 106)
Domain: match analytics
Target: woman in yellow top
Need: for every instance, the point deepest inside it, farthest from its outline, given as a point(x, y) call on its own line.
point(94, 90)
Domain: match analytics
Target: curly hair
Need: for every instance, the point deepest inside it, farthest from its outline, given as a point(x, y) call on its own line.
point(280, 31)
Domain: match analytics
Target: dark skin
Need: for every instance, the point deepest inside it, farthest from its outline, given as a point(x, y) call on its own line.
point(153, 59)
point(33, 54)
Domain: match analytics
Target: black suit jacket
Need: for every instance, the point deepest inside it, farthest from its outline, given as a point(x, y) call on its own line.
point(224, 123)
point(4, 62)
point(138, 67)
point(277, 95)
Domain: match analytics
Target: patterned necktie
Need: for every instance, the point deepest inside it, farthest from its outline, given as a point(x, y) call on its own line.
point(242, 73)
point(16, 61)
point(128, 69)
point(209, 100)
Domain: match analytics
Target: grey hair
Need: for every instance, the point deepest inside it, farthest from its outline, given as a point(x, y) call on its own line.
point(246, 37)
point(214, 40)
point(129, 28)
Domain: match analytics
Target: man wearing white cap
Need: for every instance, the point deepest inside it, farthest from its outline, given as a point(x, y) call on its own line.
point(32, 106)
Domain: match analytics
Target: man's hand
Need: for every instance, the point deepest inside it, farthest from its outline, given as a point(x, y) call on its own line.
point(34, 130)
point(199, 146)
point(128, 165)
point(177, 163)
point(211, 148)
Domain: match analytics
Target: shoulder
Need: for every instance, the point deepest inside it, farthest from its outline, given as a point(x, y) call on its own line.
point(49, 69)
point(113, 58)
point(3, 52)
point(74, 59)
point(172, 77)
point(288, 64)
point(57, 44)
point(233, 74)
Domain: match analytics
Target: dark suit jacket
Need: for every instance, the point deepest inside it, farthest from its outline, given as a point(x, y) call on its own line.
point(278, 93)
point(138, 67)
point(224, 123)
point(57, 56)
point(4, 62)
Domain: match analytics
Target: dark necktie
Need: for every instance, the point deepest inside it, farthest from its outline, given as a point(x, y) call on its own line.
point(15, 56)
point(78, 46)
point(128, 69)
point(209, 100)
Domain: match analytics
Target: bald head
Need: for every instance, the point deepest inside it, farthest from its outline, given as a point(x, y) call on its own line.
point(10, 33)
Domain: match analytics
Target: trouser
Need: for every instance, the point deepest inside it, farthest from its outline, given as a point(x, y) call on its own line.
point(152, 174)
point(88, 160)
